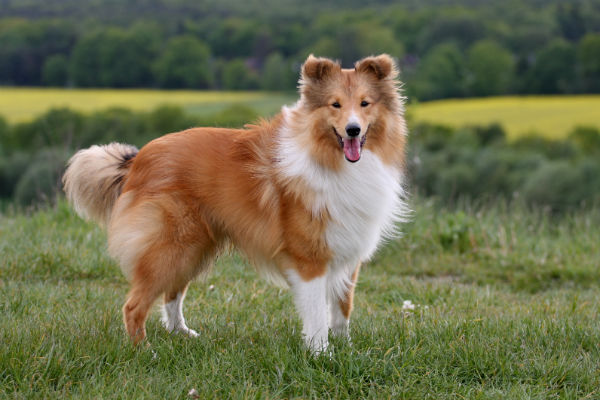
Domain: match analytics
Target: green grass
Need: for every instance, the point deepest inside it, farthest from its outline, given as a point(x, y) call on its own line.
point(550, 116)
point(508, 308)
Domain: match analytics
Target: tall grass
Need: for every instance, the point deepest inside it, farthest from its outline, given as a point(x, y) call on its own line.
point(507, 304)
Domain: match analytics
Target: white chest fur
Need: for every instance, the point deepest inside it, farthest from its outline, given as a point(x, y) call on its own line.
point(363, 200)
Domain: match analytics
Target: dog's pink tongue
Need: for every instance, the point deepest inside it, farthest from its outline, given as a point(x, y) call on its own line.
point(352, 149)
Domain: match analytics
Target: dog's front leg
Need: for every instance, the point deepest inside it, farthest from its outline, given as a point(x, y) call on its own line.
point(310, 297)
point(341, 307)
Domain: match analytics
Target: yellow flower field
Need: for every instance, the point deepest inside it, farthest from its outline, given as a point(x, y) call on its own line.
point(551, 116)
point(23, 104)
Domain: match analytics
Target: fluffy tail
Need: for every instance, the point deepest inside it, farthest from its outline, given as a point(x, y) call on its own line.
point(94, 179)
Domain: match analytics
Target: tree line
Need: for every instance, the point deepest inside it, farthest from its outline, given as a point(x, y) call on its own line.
point(470, 49)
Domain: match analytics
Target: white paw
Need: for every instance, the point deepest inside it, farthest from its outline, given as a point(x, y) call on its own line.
point(187, 331)
point(341, 331)
point(183, 329)
point(317, 344)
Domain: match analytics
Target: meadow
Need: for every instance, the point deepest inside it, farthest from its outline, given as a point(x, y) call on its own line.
point(506, 307)
point(550, 116)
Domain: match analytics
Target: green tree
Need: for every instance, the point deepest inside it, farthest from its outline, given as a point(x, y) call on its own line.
point(112, 57)
point(56, 70)
point(238, 76)
point(24, 45)
point(440, 74)
point(184, 63)
point(351, 36)
point(570, 21)
point(490, 67)
point(86, 62)
point(277, 74)
point(554, 69)
point(589, 58)
point(461, 26)
point(234, 37)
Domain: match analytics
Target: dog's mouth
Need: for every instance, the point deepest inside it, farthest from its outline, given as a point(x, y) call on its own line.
point(352, 147)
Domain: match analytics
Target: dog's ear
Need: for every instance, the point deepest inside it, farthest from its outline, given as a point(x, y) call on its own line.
point(381, 66)
point(318, 68)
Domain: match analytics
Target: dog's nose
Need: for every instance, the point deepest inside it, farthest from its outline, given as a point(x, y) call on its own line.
point(353, 129)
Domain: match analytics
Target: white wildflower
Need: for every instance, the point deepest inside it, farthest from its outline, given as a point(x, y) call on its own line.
point(408, 305)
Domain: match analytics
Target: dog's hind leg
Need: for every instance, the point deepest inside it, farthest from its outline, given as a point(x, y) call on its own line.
point(165, 268)
point(139, 300)
point(162, 246)
point(172, 312)
point(198, 259)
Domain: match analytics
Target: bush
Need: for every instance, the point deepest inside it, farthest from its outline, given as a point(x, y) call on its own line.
point(169, 118)
point(115, 125)
point(562, 185)
point(495, 169)
point(57, 127)
point(11, 169)
point(553, 149)
point(4, 136)
point(234, 116)
point(41, 180)
point(490, 134)
point(586, 138)
point(456, 181)
point(431, 137)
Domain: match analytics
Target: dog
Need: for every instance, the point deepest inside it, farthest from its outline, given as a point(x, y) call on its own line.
point(306, 196)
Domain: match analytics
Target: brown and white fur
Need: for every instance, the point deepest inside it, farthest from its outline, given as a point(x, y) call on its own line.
point(307, 196)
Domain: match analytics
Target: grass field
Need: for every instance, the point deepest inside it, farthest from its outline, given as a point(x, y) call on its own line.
point(508, 306)
point(551, 116)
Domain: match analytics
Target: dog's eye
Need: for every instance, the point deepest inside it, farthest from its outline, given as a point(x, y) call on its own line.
point(336, 105)
point(364, 103)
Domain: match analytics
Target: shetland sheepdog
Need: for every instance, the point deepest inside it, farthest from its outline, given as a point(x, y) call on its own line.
point(307, 196)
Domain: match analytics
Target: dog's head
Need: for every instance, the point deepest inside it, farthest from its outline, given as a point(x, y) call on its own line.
point(349, 105)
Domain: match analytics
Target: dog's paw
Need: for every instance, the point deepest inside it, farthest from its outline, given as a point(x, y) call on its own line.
point(180, 329)
point(317, 345)
point(188, 332)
